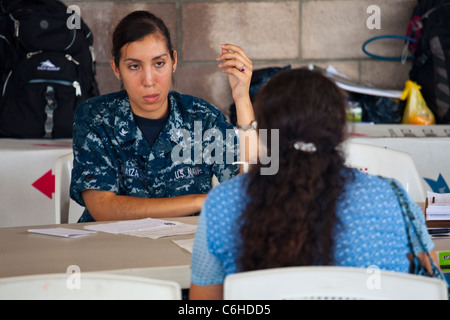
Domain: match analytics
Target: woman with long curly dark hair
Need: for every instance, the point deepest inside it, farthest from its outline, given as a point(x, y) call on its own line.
point(313, 210)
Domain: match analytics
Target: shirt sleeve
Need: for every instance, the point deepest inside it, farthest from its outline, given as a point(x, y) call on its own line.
point(206, 268)
point(93, 166)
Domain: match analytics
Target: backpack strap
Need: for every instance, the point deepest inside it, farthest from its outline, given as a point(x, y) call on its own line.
point(427, 14)
point(7, 5)
point(442, 92)
point(50, 107)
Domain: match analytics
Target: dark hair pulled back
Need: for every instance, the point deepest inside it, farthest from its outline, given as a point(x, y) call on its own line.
point(136, 26)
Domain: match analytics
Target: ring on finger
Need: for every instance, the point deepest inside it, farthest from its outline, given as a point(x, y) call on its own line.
point(243, 68)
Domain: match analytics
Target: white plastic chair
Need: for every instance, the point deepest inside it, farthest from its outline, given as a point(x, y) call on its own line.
point(65, 208)
point(388, 163)
point(89, 286)
point(331, 283)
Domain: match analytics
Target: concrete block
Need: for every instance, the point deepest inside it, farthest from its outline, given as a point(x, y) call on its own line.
point(385, 74)
point(107, 81)
point(102, 18)
point(265, 30)
point(338, 29)
point(206, 82)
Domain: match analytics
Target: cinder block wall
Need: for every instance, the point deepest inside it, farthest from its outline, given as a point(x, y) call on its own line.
point(273, 33)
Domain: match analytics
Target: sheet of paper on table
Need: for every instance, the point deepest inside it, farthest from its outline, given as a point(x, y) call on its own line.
point(186, 244)
point(164, 231)
point(62, 232)
point(149, 228)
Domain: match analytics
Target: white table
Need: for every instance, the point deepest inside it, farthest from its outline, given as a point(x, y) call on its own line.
point(24, 253)
point(27, 181)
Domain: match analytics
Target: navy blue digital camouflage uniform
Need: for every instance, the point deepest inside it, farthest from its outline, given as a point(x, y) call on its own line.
point(111, 153)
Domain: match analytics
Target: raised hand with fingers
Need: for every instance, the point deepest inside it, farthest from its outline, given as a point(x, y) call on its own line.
point(235, 63)
point(239, 68)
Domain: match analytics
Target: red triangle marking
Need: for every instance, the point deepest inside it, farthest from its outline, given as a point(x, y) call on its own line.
point(46, 184)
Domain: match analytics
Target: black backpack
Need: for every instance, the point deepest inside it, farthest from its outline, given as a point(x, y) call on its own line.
point(430, 25)
point(47, 68)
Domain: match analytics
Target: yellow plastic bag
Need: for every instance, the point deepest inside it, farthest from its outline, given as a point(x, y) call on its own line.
point(416, 111)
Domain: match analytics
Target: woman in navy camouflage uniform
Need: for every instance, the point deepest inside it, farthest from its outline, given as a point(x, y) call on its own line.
point(148, 151)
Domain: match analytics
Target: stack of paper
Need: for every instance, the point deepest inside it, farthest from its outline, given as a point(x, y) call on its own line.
point(349, 85)
point(439, 232)
point(438, 206)
point(148, 228)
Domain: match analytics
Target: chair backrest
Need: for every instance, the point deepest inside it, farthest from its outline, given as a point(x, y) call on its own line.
point(388, 163)
point(89, 286)
point(64, 206)
point(331, 283)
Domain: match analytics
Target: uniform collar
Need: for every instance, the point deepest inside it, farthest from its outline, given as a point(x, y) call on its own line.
point(174, 123)
point(125, 128)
